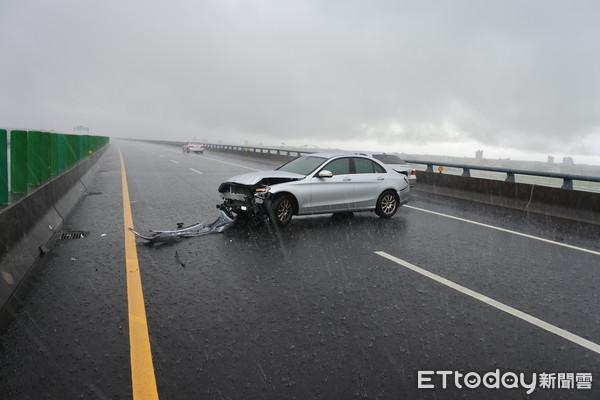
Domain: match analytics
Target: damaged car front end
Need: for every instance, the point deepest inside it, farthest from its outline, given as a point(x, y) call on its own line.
point(250, 197)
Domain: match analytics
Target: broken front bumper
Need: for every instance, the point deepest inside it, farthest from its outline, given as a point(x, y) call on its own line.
point(243, 201)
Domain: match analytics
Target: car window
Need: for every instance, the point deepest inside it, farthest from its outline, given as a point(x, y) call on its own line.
point(341, 166)
point(365, 166)
point(388, 159)
point(302, 165)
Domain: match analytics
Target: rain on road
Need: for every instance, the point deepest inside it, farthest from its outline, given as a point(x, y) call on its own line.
point(319, 309)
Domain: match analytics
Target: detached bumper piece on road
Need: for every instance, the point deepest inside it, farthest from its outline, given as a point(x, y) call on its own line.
point(223, 222)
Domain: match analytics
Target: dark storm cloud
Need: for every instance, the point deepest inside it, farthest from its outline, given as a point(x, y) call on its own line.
point(521, 74)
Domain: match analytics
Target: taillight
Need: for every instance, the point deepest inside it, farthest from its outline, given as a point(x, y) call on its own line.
point(413, 172)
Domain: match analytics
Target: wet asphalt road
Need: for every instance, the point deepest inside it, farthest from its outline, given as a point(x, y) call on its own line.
point(307, 312)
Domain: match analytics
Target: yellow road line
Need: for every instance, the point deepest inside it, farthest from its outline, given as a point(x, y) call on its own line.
point(142, 368)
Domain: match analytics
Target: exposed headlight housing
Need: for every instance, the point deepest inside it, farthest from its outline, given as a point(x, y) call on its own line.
point(261, 192)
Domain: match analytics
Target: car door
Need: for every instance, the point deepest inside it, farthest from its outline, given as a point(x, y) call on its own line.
point(369, 181)
point(333, 194)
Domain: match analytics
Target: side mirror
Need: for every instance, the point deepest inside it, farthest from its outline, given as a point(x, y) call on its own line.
point(325, 174)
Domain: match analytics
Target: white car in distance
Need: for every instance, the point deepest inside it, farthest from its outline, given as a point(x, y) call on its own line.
point(194, 147)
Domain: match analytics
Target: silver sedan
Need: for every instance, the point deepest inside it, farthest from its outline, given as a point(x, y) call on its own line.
point(314, 184)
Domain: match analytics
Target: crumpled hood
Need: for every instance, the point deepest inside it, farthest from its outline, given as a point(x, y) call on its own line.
point(252, 178)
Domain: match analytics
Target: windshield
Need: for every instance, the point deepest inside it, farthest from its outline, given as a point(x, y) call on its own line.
point(302, 165)
point(388, 159)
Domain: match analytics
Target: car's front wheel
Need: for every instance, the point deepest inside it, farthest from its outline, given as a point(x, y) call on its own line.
point(283, 210)
point(387, 204)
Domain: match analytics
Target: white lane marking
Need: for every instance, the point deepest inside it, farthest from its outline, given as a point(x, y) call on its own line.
point(500, 306)
point(198, 172)
point(173, 161)
point(236, 165)
point(597, 253)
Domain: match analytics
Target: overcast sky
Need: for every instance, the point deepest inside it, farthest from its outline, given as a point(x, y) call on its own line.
point(426, 77)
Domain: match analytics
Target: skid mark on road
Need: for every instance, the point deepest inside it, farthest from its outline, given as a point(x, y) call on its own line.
point(496, 304)
point(597, 253)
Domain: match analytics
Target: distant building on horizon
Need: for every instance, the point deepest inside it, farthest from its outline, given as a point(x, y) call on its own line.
point(568, 161)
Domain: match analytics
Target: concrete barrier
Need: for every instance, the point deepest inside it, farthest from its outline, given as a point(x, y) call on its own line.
point(563, 203)
point(29, 224)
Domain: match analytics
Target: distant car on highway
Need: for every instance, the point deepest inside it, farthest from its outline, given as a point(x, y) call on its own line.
point(194, 147)
point(314, 184)
point(397, 164)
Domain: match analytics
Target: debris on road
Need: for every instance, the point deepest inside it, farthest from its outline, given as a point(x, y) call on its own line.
point(223, 222)
point(178, 259)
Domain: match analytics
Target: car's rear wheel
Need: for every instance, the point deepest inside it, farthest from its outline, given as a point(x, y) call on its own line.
point(283, 210)
point(387, 204)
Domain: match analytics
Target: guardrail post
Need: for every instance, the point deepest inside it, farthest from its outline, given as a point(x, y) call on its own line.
point(567, 183)
point(466, 172)
point(3, 167)
point(510, 177)
point(18, 161)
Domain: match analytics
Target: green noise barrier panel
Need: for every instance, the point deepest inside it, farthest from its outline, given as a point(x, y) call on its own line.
point(37, 156)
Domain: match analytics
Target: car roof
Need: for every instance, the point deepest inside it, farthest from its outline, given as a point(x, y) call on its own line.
point(332, 155)
point(371, 153)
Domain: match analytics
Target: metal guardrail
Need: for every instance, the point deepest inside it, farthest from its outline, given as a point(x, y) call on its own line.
point(510, 172)
point(37, 156)
point(259, 150)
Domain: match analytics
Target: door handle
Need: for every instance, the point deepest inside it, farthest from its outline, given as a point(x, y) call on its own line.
point(380, 179)
point(347, 179)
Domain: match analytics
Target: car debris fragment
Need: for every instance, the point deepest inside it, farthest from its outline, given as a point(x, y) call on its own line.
point(223, 222)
